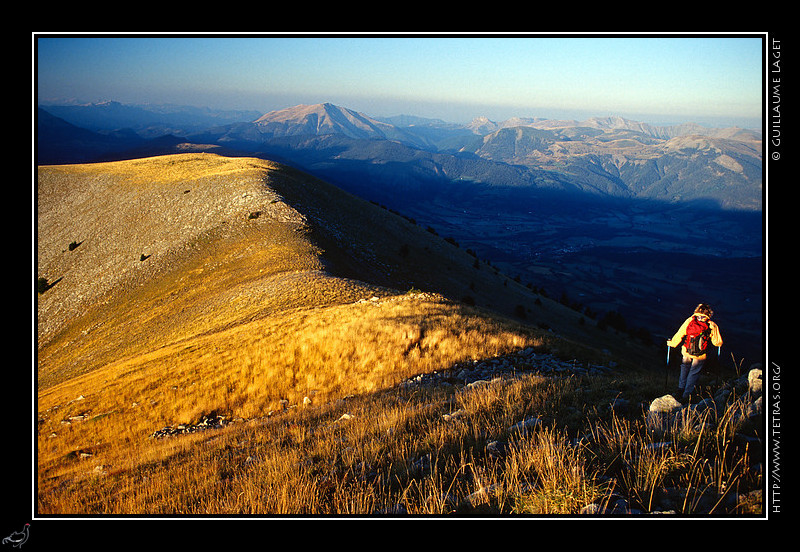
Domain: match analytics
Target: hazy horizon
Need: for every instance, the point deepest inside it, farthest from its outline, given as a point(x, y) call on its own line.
point(715, 81)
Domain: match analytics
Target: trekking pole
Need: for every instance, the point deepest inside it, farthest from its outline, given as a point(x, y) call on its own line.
point(666, 370)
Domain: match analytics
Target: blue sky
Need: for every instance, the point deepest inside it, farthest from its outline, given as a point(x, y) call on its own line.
point(711, 80)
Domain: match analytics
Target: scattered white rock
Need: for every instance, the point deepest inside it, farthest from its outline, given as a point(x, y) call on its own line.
point(525, 425)
point(454, 415)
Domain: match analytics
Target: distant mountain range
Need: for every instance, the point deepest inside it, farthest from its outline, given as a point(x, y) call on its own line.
point(148, 121)
point(381, 158)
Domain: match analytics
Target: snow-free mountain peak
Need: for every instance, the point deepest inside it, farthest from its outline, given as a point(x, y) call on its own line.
point(323, 118)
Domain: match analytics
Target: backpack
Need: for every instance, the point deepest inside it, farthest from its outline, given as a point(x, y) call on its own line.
point(697, 337)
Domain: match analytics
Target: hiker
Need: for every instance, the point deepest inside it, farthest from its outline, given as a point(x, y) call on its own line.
point(694, 337)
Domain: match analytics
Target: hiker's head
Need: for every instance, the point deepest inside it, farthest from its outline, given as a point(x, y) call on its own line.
point(705, 310)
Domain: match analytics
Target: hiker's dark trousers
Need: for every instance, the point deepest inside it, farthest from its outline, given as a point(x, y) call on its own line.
point(690, 372)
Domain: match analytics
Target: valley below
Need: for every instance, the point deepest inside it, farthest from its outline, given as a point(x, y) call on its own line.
point(649, 262)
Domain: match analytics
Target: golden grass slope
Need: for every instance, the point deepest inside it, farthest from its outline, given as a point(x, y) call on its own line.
point(175, 247)
point(197, 283)
point(195, 286)
point(231, 309)
point(162, 244)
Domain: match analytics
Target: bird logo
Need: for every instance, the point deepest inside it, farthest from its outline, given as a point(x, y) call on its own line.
point(18, 538)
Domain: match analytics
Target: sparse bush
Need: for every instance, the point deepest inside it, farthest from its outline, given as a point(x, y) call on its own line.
point(614, 320)
point(42, 285)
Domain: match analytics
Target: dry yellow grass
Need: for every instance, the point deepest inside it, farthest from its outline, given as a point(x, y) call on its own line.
point(248, 368)
point(230, 313)
point(245, 372)
point(397, 452)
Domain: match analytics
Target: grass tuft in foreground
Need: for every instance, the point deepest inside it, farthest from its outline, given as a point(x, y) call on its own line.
point(436, 451)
